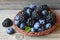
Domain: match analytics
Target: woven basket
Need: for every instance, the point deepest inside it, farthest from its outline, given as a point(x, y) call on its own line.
point(45, 32)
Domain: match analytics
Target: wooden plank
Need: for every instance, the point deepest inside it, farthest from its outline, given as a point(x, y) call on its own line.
point(19, 4)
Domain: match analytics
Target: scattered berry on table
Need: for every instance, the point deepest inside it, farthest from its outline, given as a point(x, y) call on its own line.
point(10, 30)
point(7, 22)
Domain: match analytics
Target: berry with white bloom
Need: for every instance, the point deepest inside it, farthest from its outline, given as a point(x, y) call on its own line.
point(22, 25)
point(48, 25)
point(36, 25)
point(42, 21)
point(32, 29)
point(32, 6)
point(44, 12)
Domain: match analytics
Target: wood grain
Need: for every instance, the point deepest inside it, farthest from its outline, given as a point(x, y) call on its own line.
point(19, 4)
point(18, 36)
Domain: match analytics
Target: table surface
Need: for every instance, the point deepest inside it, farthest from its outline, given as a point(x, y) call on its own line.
point(19, 4)
point(18, 36)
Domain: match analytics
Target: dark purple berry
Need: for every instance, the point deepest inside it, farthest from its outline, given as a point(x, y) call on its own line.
point(30, 21)
point(7, 22)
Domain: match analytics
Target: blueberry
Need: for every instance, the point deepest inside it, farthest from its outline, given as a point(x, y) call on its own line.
point(40, 30)
point(42, 21)
point(32, 6)
point(16, 22)
point(7, 22)
point(29, 11)
point(22, 25)
point(44, 13)
point(48, 25)
point(32, 29)
point(36, 25)
point(17, 17)
point(10, 30)
point(25, 8)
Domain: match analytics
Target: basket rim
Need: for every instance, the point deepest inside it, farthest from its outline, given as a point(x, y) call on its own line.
point(45, 32)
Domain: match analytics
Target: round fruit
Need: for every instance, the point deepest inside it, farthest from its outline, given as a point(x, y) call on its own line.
point(27, 28)
point(45, 7)
point(36, 25)
point(33, 29)
point(17, 17)
point(29, 11)
point(44, 12)
point(42, 21)
point(10, 30)
point(7, 22)
point(36, 15)
point(16, 22)
point(22, 25)
point(32, 6)
point(40, 30)
point(48, 25)
point(51, 18)
point(22, 17)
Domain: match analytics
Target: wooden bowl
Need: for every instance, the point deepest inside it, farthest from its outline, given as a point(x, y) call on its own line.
point(45, 32)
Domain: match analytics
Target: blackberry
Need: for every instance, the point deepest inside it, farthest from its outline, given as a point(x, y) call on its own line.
point(36, 15)
point(45, 7)
point(51, 18)
point(7, 22)
point(23, 17)
point(30, 22)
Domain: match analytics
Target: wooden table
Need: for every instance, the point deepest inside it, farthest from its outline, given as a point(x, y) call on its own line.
point(18, 36)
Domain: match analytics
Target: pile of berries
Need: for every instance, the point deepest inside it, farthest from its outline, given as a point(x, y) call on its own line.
point(7, 23)
point(35, 18)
